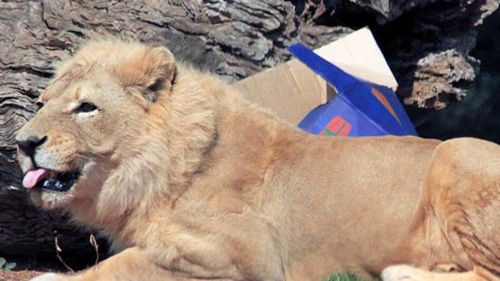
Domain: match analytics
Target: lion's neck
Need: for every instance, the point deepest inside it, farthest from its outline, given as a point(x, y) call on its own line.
point(158, 168)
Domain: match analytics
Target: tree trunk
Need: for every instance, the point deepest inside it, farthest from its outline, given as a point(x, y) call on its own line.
point(426, 42)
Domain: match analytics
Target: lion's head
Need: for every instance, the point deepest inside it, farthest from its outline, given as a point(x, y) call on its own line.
point(98, 111)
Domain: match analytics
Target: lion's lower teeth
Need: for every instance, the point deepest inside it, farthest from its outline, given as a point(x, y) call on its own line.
point(56, 184)
point(59, 182)
point(52, 184)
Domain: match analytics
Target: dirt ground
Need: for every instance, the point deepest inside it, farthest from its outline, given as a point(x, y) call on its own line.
point(27, 268)
point(22, 275)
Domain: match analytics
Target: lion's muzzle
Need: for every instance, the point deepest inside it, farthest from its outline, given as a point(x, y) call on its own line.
point(30, 144)
point(36, 176)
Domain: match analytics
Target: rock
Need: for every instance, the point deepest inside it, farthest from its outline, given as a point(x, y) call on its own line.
point(437, 77)
point(433, 39)
point(242, 40)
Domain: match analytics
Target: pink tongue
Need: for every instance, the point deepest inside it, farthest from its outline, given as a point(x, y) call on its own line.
point(33, 177)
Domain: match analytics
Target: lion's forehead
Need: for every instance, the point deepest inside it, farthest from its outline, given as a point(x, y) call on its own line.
point(70, 90)
point(54, 90)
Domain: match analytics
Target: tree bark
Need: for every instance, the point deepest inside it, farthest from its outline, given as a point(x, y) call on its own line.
point(427, 44)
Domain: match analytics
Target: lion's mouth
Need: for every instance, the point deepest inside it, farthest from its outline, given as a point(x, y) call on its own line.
point(56, 181)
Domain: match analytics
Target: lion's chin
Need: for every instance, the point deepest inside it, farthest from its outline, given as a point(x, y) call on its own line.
point(49, 199)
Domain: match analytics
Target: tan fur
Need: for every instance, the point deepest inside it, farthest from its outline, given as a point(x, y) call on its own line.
point(200, 184)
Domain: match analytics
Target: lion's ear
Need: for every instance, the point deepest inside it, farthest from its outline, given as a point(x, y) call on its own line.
point(151, 73)
point(160, 72)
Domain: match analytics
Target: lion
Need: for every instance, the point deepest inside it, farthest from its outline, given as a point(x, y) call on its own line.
point(192, 182)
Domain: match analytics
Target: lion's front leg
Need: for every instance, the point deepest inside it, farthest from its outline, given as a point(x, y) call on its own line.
point(130, 265)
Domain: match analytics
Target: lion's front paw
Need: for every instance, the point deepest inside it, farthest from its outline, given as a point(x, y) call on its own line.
point(49, 277)
point(402, 272)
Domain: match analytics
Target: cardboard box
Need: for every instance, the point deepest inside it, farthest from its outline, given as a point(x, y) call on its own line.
point(292, 90)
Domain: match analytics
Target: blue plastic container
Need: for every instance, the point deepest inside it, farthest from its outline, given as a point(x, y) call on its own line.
point(361, 107)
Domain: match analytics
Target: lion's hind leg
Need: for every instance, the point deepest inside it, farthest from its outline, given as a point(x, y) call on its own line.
point(462, 196)
point(410, 273)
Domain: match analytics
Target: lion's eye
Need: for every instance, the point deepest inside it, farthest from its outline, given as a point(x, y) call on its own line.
point(85, 107)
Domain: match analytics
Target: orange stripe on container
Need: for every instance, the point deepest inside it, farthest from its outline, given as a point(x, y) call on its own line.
point(385, 102)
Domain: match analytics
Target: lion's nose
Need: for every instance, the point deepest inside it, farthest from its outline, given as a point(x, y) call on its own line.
point(29, 144)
